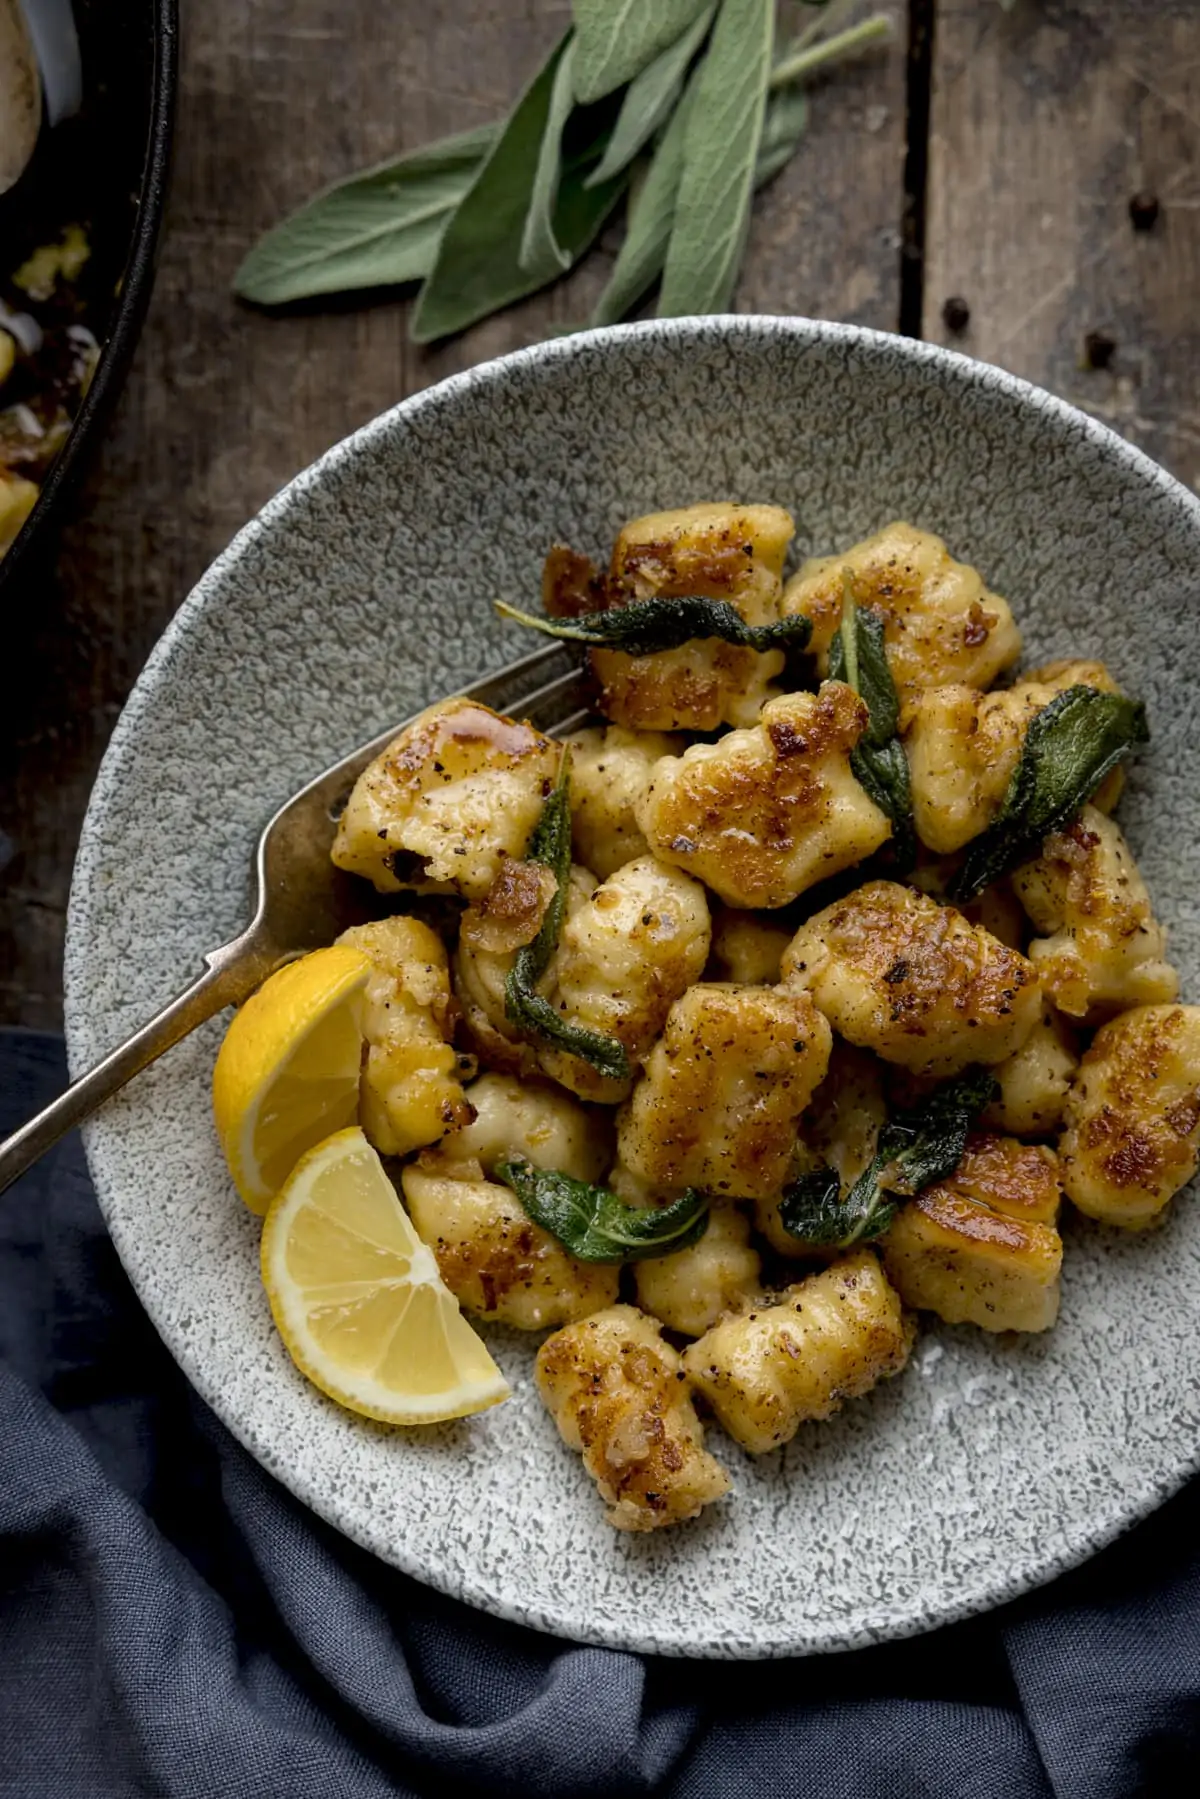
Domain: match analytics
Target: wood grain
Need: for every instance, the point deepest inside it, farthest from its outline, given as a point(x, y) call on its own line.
point(1046, 120)
point(225, 404)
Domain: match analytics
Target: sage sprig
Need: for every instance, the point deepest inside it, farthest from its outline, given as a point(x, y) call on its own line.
point(1069, 749)
point(917, 1148)
point(484, 259)
point(858, 656)
point(593, 1225)
point(375, 230)
point(650, 98)
point(675, 100)
point(550, 845)
point(618, 38)
point(647, 627)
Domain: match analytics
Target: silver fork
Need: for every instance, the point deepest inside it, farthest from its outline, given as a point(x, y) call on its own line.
point(301, 900)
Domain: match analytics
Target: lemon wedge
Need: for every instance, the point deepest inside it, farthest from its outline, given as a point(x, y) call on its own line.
point(288, 1070)
point(358, 1298)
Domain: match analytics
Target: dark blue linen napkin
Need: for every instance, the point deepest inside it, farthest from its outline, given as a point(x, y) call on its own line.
point(173, 1623)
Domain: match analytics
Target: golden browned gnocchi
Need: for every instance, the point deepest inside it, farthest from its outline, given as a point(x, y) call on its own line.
point(1100, 948)
point(534, 1120)
point(610, 767)
point(411, 1092)
point(618, 1394)
point(963, 747)
point(627, 952)
point(491, 1255)
point(718, 551)
point(914, 981)
point(691, 1289)
point(450, 798)
point(982, 1247)
point(723, 1091)
point(480, 974)
point(779, 1363)
point(764, 814)
point(746, 949)
point(1034, 1083)
point(941, 624)
point(634, 1016)
point(1133, 1116)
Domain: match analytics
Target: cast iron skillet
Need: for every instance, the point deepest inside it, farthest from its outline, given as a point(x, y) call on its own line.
point(106, 169)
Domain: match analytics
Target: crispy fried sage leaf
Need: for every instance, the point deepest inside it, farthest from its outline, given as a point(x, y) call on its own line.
point(925, 1143)
point(857, 656)
point(650, 626)
point(916, 1148)
point(550, 845)
point(593, 1225)
point(377, 229)
point(649, 99)
point(618, 38)
point(712, 212)
point(1070, 747)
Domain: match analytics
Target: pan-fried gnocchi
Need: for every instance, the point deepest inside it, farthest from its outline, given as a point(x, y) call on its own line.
point(411, 1089)
point(940, 622)
point(982, 1247)
point(684, 1037)
point(963, 747)
point(775, 1365)
point(1099, 949)
point(916, 982)
point(720, 552)
point(690, 1290)
point(1133, 1116)
point(618, 1393)
point(450, 798)
point(610, 767)
point(766, 813)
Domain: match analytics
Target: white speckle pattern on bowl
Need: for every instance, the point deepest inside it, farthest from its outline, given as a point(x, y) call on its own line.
point(363, 591)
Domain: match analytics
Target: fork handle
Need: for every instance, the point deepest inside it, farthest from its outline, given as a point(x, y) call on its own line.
point(231, 975)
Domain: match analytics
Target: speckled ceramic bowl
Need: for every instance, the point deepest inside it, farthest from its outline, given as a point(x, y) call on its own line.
point(362, 592)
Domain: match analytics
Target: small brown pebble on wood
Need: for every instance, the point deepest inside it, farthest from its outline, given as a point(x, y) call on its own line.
point(956, 314)
point(1098, 349)
point(1143, 211)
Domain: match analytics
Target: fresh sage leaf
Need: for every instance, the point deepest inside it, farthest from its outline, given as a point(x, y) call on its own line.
point(783, 127)
point(478, 266)
point(916, 1149)
point(652, 213)
point(650, 98)
point(724, 129)
point(858, 656)
point(376, 229)
point(648, 627)
point(648, 226)
point(593, 1225)
point(539, 246)
point(618, 38)
point(1069, 749)
point(550, 845)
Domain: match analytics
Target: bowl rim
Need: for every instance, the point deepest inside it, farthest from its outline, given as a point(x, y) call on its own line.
point(137, 282)
point(1087, 1535)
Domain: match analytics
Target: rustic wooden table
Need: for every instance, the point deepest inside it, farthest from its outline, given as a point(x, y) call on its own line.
point(990, 154)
